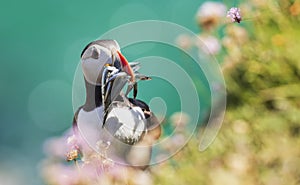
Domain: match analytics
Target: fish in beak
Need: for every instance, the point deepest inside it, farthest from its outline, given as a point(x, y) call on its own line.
point(114, 78)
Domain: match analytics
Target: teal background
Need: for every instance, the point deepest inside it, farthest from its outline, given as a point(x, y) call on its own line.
point(41, 42)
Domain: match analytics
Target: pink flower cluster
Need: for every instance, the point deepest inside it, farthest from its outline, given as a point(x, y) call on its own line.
point(234, 14)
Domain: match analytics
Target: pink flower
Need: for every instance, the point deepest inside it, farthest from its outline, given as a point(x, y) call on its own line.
point(60, 174)
point(235, 14)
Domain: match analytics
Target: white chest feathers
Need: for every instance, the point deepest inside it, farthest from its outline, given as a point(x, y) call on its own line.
point(125, 124)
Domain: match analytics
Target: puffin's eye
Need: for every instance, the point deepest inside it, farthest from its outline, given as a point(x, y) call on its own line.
point(95, 53)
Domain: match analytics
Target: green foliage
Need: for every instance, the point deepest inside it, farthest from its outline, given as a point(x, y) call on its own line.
point(259, 141)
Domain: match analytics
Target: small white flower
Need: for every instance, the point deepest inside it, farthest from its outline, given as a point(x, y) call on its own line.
point(72, 140)
point(184, 41)
point(179, 120)
point(209, 44)
point(102, 145)
point(210, 14)
point(211, 9)
point(142, 178)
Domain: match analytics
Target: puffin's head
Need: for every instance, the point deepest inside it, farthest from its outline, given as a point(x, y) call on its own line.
point(100, 53)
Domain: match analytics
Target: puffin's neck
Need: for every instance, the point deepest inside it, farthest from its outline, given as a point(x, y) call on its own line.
point(93, 96)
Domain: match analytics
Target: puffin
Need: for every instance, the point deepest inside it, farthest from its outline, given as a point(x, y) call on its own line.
point(118, 127)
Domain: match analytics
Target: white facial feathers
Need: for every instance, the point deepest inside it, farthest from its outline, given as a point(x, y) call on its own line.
point(93, 60)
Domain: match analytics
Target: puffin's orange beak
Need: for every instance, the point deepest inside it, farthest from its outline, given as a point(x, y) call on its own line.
point(126, 67)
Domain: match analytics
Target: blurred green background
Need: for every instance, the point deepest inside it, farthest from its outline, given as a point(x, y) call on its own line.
point(41, 42)
point(259, 142)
